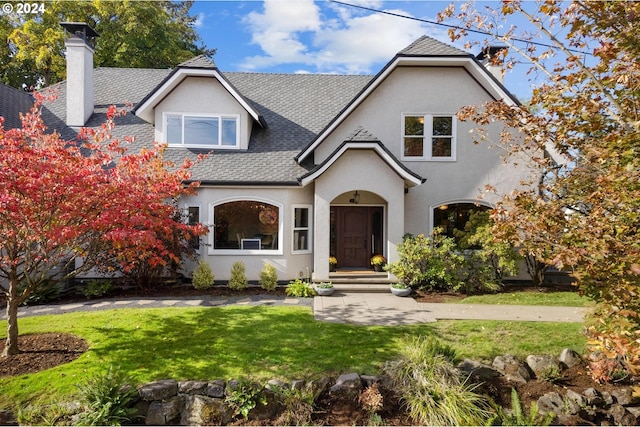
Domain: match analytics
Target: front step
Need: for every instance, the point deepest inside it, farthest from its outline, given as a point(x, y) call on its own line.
point(360, 281)
point(362, 288)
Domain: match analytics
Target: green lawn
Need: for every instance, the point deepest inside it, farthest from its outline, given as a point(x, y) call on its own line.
point(269, 342)
point(568, 299)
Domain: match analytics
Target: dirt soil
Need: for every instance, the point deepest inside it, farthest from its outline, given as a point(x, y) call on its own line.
point(43, 351)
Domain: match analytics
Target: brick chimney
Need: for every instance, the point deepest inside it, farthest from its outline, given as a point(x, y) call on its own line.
point(79, 53)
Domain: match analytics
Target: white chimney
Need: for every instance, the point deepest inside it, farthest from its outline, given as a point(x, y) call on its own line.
point(493, 61)
point(79, 54)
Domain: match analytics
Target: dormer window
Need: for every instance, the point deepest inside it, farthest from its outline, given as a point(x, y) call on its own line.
point(200, 130)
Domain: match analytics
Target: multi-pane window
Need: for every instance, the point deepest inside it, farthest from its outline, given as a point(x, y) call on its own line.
point(301, 228)
point(201, 131)
point(428, 137)
point(246, 225)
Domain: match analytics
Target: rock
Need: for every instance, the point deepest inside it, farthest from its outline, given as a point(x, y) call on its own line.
point(159, 390)
point(215, 389)
point(164, 413)
point(624, 396)
point(621, 416)
point(513, 369)
point(277, 385)
point(542, 365)
point(575, 401)
point(370, 380)
point(202, 410)
point(317, 387)
point(570, 358)
point(266, 409)
point(478, 370)
point(551, 402)
point(297, 385)
point(192, 387)
point(140, 410)
point(593, 397)
point(347, 383)
point(635, 411)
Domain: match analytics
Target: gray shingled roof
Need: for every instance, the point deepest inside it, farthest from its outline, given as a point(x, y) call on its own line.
point(427, 46)
point(200, 61)
point(12, 103)
point(295, 108)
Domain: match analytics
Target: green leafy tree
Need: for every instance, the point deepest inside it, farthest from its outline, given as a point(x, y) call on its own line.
point(581, 134)
point(133, 34)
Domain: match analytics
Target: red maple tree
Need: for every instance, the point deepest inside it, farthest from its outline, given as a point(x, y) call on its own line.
point(91, 199)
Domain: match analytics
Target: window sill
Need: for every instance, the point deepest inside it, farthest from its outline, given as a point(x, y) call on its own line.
point(248, 252)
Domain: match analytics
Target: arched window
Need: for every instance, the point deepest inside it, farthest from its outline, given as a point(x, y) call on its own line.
point(454, 216)
point(248, 225)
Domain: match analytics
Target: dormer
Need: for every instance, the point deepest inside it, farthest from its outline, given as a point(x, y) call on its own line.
point(196, 107)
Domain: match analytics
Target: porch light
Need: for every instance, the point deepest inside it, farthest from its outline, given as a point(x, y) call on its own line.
point(356, 198)
point(443, 207)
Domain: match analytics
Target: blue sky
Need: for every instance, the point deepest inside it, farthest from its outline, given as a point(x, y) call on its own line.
point(306, 36)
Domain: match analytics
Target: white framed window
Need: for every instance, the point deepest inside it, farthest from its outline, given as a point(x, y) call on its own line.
point(247, 226)
point(428, 137)
point(301, 229)
point(201, 130)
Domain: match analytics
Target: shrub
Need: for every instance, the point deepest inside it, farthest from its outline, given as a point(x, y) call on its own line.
point(244, 397)
point(300, 289)
point(432, 389)
point(97, 288)
point(203, 276)
point(108, 398)
point(238, 280)
point(490, 259)
point(429, 263)
point(298, 406)
point(268, 277)
point(518, 417)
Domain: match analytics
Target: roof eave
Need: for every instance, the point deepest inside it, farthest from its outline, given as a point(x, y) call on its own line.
point(411, 178)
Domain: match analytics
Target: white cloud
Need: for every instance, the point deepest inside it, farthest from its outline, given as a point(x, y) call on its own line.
point(334, 39)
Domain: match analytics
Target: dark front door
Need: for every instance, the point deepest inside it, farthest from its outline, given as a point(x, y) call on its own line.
point(358, 235)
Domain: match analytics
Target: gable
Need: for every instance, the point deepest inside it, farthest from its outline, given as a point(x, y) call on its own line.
point(145, 109)
point(475, 72)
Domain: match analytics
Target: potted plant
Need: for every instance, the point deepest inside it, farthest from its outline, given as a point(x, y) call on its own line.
point(401, 290)
point(378, 262)
point(333, 262)
point(324, 288)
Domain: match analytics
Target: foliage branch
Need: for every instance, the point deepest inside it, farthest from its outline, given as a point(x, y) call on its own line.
point(581, 135)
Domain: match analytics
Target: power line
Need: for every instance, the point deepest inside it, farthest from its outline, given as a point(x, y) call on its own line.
point(471, 30)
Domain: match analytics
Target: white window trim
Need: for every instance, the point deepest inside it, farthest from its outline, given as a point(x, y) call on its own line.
point(199, 206)
point(309, 228)
point(212, 115)
point(427, 138)
point(279, 251)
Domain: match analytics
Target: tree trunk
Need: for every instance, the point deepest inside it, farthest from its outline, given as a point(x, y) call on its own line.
point(11, 345)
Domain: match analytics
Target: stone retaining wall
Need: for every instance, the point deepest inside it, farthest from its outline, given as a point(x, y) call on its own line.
point(201, 402)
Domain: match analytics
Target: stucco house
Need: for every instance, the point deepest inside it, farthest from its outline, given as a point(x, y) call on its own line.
point(305, 166)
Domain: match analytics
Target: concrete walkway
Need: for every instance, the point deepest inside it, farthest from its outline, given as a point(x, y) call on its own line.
point(388, 310)
point(358, 308)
